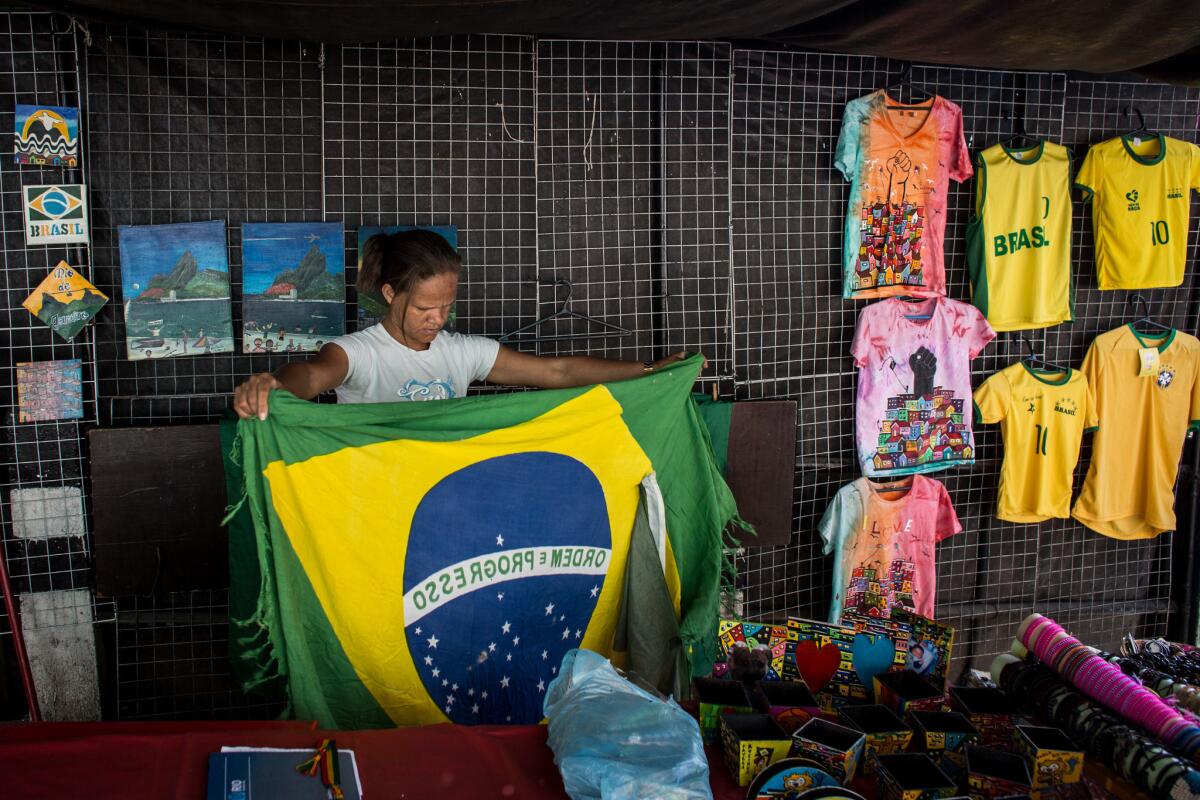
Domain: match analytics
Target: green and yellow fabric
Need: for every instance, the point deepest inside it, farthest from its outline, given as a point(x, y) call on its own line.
point(413, 563)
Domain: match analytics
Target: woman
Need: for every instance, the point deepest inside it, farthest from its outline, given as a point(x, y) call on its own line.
point(408, 356)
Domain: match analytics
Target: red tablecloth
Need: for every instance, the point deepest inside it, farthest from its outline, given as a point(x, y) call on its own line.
point(150, 761)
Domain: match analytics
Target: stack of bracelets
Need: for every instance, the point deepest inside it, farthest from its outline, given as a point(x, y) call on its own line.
point(1081, 667)
point(1133, 755)
point(1165, 685)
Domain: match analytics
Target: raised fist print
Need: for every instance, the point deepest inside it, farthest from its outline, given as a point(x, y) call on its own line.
point(924, 365)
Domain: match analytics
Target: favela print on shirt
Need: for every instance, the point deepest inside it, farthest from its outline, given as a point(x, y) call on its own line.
point(898, 159)
point(914, 410)
point(882, 538)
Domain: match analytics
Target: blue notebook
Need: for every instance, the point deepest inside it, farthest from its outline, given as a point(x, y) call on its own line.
point(269, 774)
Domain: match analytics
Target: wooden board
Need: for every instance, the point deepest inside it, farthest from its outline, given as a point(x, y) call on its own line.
point(762, 468)
point(158, 495)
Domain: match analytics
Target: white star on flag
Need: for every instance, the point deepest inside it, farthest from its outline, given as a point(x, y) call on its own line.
point(475, 709)
point(504, 682)
point(541, 686)
point(516, 640)
point(500, 540)
point(505, 627)
point(545, 654)
point(566, 632)
point(429, 661)
point(418, 630)
point(554, 670)
point(436, 672)
point(483, 694)
point(470, 692)
point(562, 617)
point(450, 700)
point(492, 647)
point(508, 657)
point(454, 688)
point(500, 596)
point(578, 633)
point(433, 641)
point(549, 609)
point(445, 682)
point(595, 591)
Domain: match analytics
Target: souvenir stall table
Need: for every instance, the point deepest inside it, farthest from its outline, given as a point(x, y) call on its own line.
point(161, 760)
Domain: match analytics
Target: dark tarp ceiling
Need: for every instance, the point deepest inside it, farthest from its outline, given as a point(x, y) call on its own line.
point(1158, 38)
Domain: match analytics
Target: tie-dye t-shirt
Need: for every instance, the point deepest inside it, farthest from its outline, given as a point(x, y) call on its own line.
point(914, 411)
point(898, 159)
point(882, 539)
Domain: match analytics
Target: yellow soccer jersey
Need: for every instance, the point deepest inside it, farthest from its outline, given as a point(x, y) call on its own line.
point(1019, 242)
point(1043, 415)
point(1141, 197)
point(1129, 490)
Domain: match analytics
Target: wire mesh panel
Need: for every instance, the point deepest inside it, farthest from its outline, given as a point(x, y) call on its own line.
point(43, 520)
point(793, 337)
point(633, 195)
point(441, 132)
point(182, 129)
point(188, 128)
point(686, 191)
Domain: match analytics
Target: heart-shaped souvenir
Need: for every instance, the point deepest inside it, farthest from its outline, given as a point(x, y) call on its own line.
point(817, 665)
point(873, 655)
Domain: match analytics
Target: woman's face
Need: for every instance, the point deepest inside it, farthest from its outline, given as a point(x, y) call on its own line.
point(425, 309)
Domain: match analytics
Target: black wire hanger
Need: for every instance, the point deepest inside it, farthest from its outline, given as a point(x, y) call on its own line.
point(607, 329)
point(1034, 361)
point(1141, 128)
point(1019, 134)
point(896, 87)
point(1146, 319)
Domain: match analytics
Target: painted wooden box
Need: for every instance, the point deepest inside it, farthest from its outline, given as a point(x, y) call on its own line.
point(1054, 760)
point(993, 773)
point(790, 703)
point(904, 691)
point(751, 743)
point(835, 747)
point(886, 733)
point(714, 697)
point(912, 776)
point(944, 735)
point(989, 711)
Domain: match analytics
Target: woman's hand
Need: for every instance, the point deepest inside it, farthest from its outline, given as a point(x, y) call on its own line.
point(671, 359)
point(250, 397)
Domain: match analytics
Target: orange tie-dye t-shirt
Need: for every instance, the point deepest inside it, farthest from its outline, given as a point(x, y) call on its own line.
point(882, 537)
point(899, 160)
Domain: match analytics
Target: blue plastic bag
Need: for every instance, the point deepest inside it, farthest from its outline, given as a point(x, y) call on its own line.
point(615, 741)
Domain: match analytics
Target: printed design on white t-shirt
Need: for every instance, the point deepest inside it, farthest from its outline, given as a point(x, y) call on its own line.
point(436, 389)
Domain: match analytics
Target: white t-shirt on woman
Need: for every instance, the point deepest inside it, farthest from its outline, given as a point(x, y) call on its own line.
point(382, 370)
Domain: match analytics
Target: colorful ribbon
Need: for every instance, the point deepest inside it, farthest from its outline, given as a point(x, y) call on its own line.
point(325, 762)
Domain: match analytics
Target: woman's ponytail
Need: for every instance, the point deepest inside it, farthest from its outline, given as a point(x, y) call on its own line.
point(370, 273)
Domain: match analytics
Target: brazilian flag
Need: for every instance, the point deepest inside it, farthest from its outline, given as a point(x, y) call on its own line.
point(415, 563)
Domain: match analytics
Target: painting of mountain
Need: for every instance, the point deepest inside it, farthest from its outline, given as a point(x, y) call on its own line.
point(65, 300)
point(175, 287)
point(371, 306)
point(294, 282)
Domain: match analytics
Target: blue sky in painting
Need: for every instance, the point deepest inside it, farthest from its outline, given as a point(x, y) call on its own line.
point(149, 250)
point(269, 248)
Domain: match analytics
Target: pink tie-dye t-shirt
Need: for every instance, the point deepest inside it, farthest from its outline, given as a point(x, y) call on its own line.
point(914, 409)
point(899, 160)
point(883, 545)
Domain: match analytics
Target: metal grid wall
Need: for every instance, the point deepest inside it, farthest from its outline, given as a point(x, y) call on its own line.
point(685, 189)
point(43, 521)
point(441, 132)
point(794, 332)
point(185, 128)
